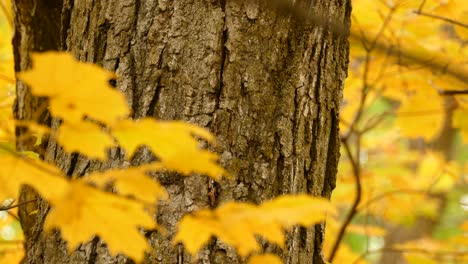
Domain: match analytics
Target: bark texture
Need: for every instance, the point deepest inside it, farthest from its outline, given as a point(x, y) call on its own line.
point(267, 86)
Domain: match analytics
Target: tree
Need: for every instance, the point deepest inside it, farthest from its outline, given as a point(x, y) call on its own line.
point(267, 85)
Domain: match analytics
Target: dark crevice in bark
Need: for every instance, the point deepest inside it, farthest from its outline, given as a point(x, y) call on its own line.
point(133, 83)
point(100, 43)
point(65, 24)
point(82, 173)
point(318, 78)
point(93, 254)
point(333, 155)
point(224, 54)
point(302, 237)
point(279, 180)
point(317, 257)
point(136, 16)
point(157, 92)
point(73, 162)
point(154, 100)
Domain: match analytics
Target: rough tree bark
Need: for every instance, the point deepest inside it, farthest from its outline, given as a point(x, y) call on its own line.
point(267, 86)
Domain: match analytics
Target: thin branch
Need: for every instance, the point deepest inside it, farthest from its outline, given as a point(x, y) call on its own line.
point(6, 208)
point(373, 122)
point(423, 2)
point(390, 193)
point(448, 20)
point(452, 92)
point(365, 76)
point(14, 216)
point(356, 173)
point(6, 78)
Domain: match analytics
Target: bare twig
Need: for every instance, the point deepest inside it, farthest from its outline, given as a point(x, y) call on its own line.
point(7, 79)
point(6, 208)
point(390, 193)
point(356, 173)
point(448, 20)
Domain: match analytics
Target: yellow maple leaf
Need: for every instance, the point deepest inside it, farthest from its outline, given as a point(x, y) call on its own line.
point(173, 143)
point(131, 181)
point(265, 258)
point(84, 137)
point(75, 89)
point(237, 224)
point(114, 219)
point(43, 177)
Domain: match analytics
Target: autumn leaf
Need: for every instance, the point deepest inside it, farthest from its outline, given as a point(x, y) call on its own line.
point(114, 219)
point(173, 142)
point(75, 89)
point(43, 177)
point(265, 258)
point(237, 224)
point(86, 138)
point(132, 181)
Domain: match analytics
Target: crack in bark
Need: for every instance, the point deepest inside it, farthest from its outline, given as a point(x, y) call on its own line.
point(332, 155)
point(157, 92)
point(67, 8)
point(224, 54)
point(93, 254)
point(73, 162)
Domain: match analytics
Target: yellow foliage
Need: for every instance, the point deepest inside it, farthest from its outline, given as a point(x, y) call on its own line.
point(11, 256)
point(172, 142)
point(265, 258)
point(238, 224)
point(86, 138)
point(114, 219)
point(131, 181)
point(17, 171)
point(76, 89)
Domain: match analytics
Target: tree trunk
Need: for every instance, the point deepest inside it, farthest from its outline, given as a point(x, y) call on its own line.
point(267, 86)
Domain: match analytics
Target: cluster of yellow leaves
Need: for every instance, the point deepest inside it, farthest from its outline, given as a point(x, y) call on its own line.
point(238, 224)
point(76, 90)
point(81, 209)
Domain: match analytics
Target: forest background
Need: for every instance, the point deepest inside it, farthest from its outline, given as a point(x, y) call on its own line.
point(402, 189)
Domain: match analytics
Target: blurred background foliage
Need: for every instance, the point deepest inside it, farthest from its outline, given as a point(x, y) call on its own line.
point(403, 128)
point(403, 132)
